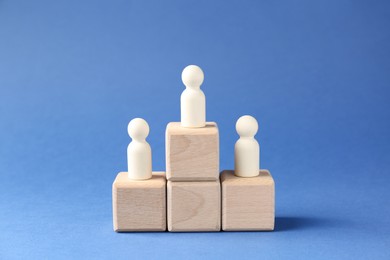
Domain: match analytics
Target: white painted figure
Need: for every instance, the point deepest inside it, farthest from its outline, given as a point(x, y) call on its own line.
point(139, 153)
point(246, 149)
point(193, 100)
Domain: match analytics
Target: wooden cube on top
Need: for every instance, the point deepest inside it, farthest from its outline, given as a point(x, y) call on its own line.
point(192, 154)
point(194, 206)
point(139, 205)
point(248, 203)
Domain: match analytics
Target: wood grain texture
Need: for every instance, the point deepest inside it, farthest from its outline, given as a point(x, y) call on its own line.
point(248, 203)
point(139, 205)
point(194, 206)
point(192, 154)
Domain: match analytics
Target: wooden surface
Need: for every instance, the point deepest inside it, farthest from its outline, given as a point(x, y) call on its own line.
point(192, 154)
point(248, 203)
point(139, 205)
point(194, 206)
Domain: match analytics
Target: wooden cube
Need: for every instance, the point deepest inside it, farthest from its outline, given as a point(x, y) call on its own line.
point(248, 203)
point(192, 154)
point(194, 206)
point(139, 205)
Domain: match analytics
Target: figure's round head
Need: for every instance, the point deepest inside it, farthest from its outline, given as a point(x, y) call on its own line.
point(247, 126)
point(192, 76)
point(138, 129)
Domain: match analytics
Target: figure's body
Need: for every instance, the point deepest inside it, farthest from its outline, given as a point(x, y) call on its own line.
point(193, 100)
point(246, 149)
point(139, 153)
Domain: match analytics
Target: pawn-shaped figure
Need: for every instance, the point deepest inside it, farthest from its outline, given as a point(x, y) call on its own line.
point(246, 149)
point(193, 100)
point(139, 153)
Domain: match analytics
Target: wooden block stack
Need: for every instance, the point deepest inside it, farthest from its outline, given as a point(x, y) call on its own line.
point(188, 197)
point(193, 188)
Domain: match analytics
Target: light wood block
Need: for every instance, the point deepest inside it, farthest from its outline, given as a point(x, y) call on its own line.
point(194, 206)
point(139, 205)
point(248, 203)
point(192, 154)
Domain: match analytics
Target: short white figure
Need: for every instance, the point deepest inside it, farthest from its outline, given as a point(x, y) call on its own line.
point(246, 149)
point(139, 153)
point(193, 100)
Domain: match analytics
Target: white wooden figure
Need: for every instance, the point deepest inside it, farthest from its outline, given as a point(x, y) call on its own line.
point(193, 100)
point(139, 153)
point(246, 149)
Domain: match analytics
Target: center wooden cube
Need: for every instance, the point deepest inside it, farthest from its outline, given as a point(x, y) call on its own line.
point(192, 154)
point(194, 206)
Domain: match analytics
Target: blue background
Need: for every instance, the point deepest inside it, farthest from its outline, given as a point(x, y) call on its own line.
point(314, 73)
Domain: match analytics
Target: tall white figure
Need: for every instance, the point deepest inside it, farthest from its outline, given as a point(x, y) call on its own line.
point(246, 149)
point(193, 100)
point(139, 153)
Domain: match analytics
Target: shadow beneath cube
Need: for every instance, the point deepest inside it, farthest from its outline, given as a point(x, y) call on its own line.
point(301, 223)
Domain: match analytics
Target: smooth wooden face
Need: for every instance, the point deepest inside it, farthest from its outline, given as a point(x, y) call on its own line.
point(194, 206)
point(139, 205)
point(192, 154)
point(248, 203)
